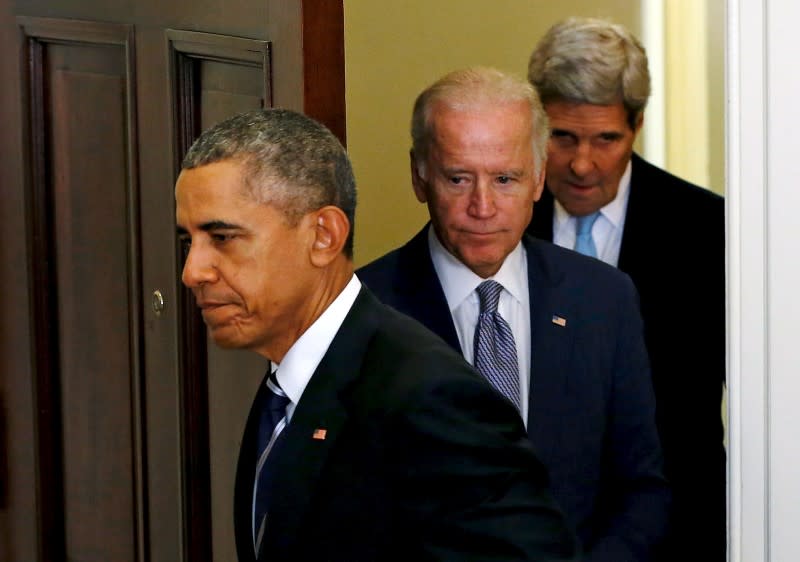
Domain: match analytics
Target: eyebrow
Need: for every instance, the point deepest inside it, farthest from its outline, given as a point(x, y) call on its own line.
point(210, 226)
point(511, 172)
point(218, 225)
point(567, 132)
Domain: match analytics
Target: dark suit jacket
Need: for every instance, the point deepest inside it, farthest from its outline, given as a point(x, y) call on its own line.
point(421, 459)
point(591, 411)
point(673, 248)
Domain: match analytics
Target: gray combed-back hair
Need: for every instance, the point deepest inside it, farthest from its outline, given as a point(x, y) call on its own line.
point(291, 162)
point(477, 87)
point(590, 60)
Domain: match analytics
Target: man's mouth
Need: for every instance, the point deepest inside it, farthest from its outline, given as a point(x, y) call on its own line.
point(210, 305)
point(580, 186)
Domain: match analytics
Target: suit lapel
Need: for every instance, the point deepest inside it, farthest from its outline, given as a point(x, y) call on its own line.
point(551, 342)
point(316, 424)
point(243, 488)
point(634, 249)
point(541, 225)
point(419, 291)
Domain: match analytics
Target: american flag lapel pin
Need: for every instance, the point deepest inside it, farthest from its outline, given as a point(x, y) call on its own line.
point(559, 321)
point(319, 434)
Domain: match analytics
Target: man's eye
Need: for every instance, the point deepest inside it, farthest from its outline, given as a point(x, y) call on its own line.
point(219, 237)
point(503, 179)
point(457, 180)
point(561, 138)
point(609, 138)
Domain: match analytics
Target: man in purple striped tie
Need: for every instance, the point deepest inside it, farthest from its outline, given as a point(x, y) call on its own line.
point(558, 334)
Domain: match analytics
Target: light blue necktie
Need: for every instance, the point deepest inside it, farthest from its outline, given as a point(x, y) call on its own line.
point(584, 243)
point(495, 350)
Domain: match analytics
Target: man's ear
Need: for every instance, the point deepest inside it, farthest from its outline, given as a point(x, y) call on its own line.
point(330, 234)
point(418, 179)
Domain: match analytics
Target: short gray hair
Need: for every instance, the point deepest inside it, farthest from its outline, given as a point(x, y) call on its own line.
point(477, 87)
point(589, 60)
point(291, 162)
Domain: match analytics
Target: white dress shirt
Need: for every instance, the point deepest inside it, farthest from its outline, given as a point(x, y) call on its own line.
point(305, 355)
point(459, 284)
point(607, 229)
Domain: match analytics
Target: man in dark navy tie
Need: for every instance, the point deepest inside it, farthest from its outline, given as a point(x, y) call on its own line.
point(581, 378)
point(370, 438)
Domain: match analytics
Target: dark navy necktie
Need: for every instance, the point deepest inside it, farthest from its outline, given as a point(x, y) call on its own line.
point(495, 350)
point(273, 403)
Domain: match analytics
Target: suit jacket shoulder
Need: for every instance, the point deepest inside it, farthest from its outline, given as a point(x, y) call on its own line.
point(673, 248)
point(668, 216)
point(405, 463)
point(658, 201)
point(588, 366)
point(406, 280)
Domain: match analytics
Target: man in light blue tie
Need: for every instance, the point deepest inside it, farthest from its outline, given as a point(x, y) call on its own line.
point(578, 370)
point(666, 233)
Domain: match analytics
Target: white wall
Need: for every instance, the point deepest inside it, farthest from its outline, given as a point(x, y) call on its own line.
point(763, 280)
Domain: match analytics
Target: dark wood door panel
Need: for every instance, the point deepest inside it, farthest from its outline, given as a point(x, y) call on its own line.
point(85, 270)
point(122, 426)
point(227, 89)
point(214, 77)
point(91, 262)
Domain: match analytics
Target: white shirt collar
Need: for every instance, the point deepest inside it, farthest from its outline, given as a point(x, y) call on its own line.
point(459, 282)
point(306, 353)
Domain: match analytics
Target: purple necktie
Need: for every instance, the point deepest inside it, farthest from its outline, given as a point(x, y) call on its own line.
point(495, 350)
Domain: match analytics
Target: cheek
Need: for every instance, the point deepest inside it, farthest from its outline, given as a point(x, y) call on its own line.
point(557, 162)
point(520, 212)
point(614, 161)
point(446, 209)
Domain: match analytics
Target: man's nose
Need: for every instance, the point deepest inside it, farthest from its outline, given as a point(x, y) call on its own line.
point(482, 204)
point(198, 268)
point(582, 162)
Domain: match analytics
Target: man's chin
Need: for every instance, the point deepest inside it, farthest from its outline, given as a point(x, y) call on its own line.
point(484, 264)
point(226, 337)
point(579, 203)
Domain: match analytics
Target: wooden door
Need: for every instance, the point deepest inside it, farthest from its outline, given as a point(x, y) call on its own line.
point(119, 426)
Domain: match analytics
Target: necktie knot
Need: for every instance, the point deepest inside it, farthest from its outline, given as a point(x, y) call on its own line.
point(495, 350)
point(489, 295)
point(277, 400)
point(584, 224)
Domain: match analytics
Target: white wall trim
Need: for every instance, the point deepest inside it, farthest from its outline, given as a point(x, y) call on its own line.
point(654, 131)
point(748, 298)
point(783, 277)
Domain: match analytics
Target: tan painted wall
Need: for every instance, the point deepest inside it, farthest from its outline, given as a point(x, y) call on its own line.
point(394, 49)
point(715, 45)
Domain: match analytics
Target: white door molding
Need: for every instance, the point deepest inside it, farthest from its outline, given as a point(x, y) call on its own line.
point(763, 195)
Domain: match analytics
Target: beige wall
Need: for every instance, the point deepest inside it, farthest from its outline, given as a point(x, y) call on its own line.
point(715, 47)
point(694, 86)
point(393, 49)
